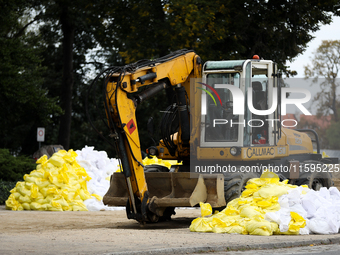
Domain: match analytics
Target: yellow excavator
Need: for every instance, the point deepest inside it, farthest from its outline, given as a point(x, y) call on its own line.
point(224, 124)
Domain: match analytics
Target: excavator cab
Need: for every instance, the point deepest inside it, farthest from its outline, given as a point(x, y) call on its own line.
point(220, 127)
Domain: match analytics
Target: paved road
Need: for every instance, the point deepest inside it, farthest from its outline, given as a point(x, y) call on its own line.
point(109, 232)
point(331, 249)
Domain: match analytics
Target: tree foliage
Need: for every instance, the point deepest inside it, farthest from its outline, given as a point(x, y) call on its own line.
point(324, 70)
point(326, 65)
point(24, 104)
point(276, 30)
point(70, 29)
point(14, 168)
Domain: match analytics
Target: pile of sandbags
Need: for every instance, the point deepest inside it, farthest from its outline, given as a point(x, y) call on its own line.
point(268, 206)
point(67, 181)
point(320, 209)
point(73, 180)
point(58, 184)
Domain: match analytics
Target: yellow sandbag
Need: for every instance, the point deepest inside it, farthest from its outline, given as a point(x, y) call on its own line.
point(26, 206)
point(296, 223)
point(41, 182)
point(70, 156)
point(270, 190)
point(36, 174)
point(48, 168)
point(248, 192)
point(67, 208)
point(42, 200)
point(237, 203)
point(16, 195)
point(29, 178)
point(84, 194)
point(28, 185)
point(237, 229)
point(205, 209)
point(63, 175)
point(53, 178)
point(35, 191)
point(219, 226)
point(22, 190)
point(230, 210)
point(56, 160)
point(225, 226)
point(275, 227)
point(60, 200)
point(157, 161)
point(46, 207)
point(55, 206)
point(99, 198)
point(259, 226)
point(78, 206)
point(273, 208)
point(52, 191)
point(249, 211)
point(250, 188)
point(24, 199)
point(270, 177)
point(82, 173)
point(200, 225)
point(35, 206)
point(42, 159)
point(13, 204)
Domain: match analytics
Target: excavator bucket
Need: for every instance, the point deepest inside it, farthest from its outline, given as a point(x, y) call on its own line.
point(170, 189)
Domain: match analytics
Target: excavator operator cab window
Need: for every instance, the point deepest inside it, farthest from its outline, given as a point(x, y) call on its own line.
point(221, 111)
point(260, 102)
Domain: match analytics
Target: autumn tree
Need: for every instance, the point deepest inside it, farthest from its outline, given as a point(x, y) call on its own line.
point(325, 64)
point(324, 70)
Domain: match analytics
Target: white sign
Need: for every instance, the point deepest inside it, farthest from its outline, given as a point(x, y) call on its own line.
point(41, 134)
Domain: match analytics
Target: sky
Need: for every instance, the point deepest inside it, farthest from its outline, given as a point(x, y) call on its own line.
point(326, 32)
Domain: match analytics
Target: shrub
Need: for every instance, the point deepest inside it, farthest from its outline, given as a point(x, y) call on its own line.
point(5, 188)
point(14, 168)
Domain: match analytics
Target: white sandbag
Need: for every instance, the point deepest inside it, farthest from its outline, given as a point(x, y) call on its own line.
point(319, 226)
point(99, 167)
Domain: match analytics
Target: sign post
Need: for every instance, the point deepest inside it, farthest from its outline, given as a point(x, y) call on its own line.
point(40, 135)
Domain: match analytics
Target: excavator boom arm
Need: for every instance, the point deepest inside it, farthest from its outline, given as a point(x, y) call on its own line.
point(172, 70)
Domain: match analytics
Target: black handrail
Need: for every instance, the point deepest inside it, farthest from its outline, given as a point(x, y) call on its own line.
point(316, 137)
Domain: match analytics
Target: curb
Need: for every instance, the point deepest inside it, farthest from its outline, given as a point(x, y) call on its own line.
point(188, 250)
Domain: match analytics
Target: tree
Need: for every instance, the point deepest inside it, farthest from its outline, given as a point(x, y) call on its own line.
point(24, 104)
point(69, 30)
point(326, 64)
point(276, 30)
